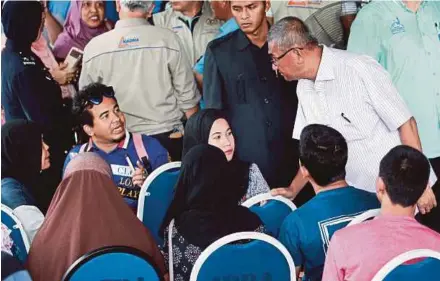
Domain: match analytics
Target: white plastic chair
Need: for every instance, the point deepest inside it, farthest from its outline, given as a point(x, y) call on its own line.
point(18, 235)
point(170, 250)
point(266, 197)
point(402, 258)
point(364, 216)
point(206, 254)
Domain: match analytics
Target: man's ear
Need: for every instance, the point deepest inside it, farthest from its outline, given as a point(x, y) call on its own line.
point(150, 11)
point(89, 130)
point(267, 5)
point(380, 189)
point(304, 172)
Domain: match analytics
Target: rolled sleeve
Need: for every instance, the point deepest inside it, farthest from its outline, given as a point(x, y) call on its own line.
point(185, 87)
point(300, 123)
point(383, 96)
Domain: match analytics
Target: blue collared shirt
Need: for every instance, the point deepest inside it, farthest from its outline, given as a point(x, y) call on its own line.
point(228, 27)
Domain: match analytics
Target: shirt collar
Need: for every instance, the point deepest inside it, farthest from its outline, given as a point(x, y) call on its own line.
point(325, 70)
point(131, 22)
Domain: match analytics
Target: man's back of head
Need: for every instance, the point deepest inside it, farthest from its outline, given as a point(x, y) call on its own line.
point(133, 8)
point(323, 155)
point(403, 177)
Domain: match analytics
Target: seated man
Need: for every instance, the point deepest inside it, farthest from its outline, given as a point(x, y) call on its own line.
point(131, 156)
point(360, 251)
point(306, 232)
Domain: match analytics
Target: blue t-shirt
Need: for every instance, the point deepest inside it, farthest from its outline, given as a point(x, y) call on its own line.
point(157, 156)
point(306, 232)
point(228, 27)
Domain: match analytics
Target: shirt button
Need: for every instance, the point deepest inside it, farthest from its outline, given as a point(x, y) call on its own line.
point(268, 123)
point(428, 53)
point(263, 79)
point(266, 101)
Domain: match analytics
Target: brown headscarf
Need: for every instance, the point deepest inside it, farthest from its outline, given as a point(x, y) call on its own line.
point(86, 213)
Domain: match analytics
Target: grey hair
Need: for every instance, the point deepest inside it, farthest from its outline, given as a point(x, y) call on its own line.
point(133, 6)
point(289, 32)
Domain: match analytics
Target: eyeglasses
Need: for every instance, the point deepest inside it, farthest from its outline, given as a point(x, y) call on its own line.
point(275, 60)
point(97, 99)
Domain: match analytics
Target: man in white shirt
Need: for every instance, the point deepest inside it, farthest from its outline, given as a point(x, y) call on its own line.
point(350, 93)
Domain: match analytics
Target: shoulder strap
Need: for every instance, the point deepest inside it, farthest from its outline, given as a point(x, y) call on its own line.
point(139, 146)
point(141, 151)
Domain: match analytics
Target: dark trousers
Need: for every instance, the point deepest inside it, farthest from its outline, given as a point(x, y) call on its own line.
point(173, 145)
point(432, 219)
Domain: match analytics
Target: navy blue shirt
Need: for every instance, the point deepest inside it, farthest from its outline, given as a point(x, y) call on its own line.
point(306, 232)
point(122, 174)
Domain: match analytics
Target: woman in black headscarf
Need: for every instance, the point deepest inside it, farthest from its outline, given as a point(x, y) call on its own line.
point(210, 126)
point(24, 156)
point(204, 208)
point(28, 89)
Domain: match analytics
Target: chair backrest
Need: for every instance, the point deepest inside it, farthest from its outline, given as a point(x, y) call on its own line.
point(263, 258)
point(21, 242)
point(272, 213)
point(170, 250)
point(364, 216)
point(113, 263)
point(396, 270)
point(155, 197)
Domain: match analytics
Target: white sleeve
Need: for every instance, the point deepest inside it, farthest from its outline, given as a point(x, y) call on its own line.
point(300, 123)
point(31, 218)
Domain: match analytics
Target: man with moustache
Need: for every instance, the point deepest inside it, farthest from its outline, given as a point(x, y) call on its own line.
point(238, 78)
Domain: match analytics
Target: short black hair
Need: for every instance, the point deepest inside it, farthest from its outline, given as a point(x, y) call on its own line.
point(405, 172)
point(323, 151)
point(79, 103)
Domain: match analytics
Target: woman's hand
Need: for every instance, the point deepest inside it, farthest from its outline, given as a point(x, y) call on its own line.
point(63, 75)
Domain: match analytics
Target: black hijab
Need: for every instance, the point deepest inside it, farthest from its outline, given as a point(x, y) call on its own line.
point(21, 22)
point(205, 202)
point(21, 151)
point(197, 131)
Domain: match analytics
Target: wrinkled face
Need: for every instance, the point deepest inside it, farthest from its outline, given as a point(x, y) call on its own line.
point(45, 155)
point(221, 136)
point(108, 122)
point(288, 63)
point(250, 15)
point(92, 13)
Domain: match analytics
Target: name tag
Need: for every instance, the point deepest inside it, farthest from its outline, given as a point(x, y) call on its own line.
point(119, 170)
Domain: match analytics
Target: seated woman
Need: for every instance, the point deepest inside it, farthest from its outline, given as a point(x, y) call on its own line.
point(204, 208)
point(210, 126)
point(85, 20)
point(24, 155)
point(86, 213)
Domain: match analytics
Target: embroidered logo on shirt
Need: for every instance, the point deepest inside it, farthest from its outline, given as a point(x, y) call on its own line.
point(177, 28)
point(128, 41)
point(397, 27)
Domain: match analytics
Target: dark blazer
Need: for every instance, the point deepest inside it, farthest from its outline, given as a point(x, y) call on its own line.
point(261, 107)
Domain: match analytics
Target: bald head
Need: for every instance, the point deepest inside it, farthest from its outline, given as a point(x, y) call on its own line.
point(289, 32)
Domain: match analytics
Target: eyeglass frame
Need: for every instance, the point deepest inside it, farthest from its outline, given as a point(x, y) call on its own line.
point(275, 60)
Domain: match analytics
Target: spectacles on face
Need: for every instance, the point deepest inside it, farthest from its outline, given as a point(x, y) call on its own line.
point(276, 60)
point(96, 100)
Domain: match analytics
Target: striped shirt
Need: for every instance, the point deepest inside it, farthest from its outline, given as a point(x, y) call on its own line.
point(354, 95)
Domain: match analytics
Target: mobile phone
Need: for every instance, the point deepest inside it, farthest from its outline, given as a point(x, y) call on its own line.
point(73, 58)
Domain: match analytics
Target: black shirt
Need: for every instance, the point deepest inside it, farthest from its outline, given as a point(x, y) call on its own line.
point(261, 107)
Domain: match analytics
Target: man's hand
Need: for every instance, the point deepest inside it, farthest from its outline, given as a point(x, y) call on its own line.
point(139, 175)
point(286, 192)
point(62, 74)
point(427, 201)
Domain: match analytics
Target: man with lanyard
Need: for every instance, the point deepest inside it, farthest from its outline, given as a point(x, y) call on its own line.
point(131, 156)
point(404, 37)
point(192, 21)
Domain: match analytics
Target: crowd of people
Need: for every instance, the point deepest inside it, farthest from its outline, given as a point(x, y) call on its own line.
point(251, 102)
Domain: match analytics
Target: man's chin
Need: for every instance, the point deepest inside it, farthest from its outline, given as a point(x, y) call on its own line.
point(119, 137)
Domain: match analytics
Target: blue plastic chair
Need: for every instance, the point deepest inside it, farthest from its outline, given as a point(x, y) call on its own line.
point(272, 213)
point(264, 258)
point(21, 245)
point(426, 269)
point(155, 197)
point(113, 263)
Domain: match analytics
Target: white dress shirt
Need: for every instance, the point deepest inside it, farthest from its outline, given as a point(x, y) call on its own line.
point(354, 95)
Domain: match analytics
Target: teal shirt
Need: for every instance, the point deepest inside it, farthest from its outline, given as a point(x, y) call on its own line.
point(407, 44)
